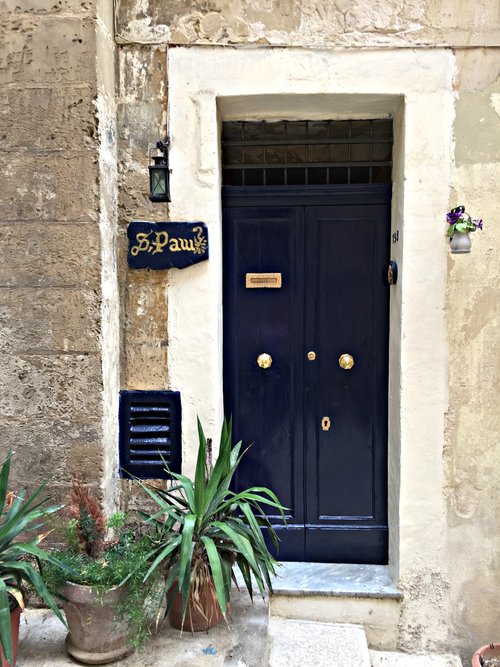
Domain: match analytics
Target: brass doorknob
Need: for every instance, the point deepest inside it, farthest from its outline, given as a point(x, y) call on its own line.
point(264, 360)
point(346, 362)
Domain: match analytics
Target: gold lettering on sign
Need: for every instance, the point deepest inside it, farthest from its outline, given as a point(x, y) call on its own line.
point(142, 243)
point(173, 246)
point(253, 280)
point(187, 244)
point(197, 246)
point(158, 243)
point(200, 242)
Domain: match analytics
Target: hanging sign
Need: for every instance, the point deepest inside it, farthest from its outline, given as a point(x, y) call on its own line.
point(166, 245)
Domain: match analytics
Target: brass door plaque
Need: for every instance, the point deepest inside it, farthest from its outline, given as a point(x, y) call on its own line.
point(253, 280)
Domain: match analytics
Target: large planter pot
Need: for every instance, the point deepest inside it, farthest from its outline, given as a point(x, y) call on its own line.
point(15, 615)
point(195, 620)
point(485, 653)
point(97, 633)
point(460, 243)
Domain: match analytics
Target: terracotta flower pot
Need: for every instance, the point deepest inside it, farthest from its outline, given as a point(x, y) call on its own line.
point(195, 620)
point(486, 652)
point(97, 634)
point(15, 615)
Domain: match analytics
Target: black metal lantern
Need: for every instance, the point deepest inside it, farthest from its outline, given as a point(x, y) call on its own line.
point(159, 186)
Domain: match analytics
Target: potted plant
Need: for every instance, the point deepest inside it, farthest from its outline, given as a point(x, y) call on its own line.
point(487, 656)
point(202, 529)
point(20, 558)
point(460, 225)
point(106, 618)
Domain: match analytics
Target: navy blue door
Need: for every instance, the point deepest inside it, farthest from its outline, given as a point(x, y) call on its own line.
point(317, 428)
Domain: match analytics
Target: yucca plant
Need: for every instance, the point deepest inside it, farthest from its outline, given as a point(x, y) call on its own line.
point(202, 528)
point(20, 555)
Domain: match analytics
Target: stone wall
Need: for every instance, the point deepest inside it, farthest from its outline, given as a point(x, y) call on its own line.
point(461, 606)
point(309, 22)
point(76, 325)
point(141, 122)
point(50, 286)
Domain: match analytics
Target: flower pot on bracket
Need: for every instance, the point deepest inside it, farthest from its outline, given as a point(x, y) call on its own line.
point(460, 243)
point(15, 615)
point(97, 633)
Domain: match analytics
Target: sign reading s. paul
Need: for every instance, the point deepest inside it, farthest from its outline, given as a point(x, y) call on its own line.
point(166, 245)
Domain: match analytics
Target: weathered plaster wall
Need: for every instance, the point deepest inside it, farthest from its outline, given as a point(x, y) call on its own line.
point(309, 22)
point(51, 378)
point(473, 311)
point(142, 119)
point(107, 179)
point(449, 596)
point(142, 108)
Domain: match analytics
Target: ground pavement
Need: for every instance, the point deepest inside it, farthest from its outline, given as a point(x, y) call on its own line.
point(251, 639)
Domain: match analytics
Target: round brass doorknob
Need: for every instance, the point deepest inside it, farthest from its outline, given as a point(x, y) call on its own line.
point(346, 362)
point(264, 360)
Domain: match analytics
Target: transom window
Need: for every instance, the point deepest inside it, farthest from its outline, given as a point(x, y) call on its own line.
point(306, 152)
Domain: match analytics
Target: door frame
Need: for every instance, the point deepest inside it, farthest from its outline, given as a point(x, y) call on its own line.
point(208, 84)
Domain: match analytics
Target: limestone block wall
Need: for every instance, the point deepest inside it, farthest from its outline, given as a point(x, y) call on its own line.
point(51, 375)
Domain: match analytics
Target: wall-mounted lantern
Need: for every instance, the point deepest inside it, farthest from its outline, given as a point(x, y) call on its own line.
point(159, 186)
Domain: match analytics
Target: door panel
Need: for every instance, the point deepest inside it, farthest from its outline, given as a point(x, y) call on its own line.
point(261, 320)
point(333, 300)
point(346, 465)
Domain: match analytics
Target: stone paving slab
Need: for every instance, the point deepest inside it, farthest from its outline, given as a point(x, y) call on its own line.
point(389, 659)
point(241, 644)
point(296, 643)
point(251, 640)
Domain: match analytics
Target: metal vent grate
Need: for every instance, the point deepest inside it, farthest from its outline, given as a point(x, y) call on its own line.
point(150, 433)
point(306, 152)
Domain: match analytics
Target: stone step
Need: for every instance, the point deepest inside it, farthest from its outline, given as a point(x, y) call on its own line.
point(391, 659)
point(294, 643)
point(340, 593)
point(378, 616)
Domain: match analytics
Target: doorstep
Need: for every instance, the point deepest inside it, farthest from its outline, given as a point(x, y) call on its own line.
point(335, 579)
point(340, 593)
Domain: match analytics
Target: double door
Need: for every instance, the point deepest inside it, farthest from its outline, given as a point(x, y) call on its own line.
point(306, 318)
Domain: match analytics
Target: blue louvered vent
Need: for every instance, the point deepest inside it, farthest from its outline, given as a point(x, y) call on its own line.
point(150, 433)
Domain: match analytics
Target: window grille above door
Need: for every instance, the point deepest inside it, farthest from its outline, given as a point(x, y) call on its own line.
point(306, 152)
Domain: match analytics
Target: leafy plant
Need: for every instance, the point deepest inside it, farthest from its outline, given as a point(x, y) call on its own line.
point(203, 528)
point(105, 563)
point(460, 221)
point(20, 555)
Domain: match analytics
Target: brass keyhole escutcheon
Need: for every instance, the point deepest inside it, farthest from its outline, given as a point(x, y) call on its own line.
point(346, 362)
point(264, 360)
point(311, 355)
point(325, 423)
